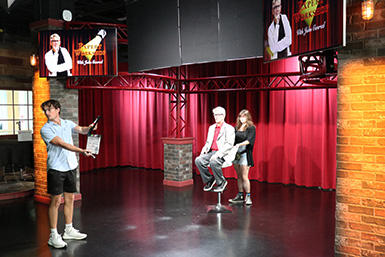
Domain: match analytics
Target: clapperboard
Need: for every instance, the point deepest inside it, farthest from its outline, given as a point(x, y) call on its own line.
point(93, 143)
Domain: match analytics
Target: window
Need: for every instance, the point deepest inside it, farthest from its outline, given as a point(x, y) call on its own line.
point(15, 111)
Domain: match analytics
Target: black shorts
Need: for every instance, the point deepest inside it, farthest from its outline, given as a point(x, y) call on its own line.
point(59, 182)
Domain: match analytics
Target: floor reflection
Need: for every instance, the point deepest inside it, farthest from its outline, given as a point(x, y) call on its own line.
point(129, 212)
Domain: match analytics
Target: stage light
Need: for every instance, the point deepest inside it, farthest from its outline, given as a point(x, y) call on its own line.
point(33, 60)
point(367, 9)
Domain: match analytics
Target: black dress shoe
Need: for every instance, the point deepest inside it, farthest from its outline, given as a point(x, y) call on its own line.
point(209, 185)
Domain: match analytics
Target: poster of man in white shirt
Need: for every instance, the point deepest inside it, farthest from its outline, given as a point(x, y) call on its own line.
point(58, 60)
point(279, 33)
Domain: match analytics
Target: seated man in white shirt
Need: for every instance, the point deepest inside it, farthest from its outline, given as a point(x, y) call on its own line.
point(216, 152)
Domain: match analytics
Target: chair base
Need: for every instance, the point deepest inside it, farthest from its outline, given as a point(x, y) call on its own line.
point(219, 208)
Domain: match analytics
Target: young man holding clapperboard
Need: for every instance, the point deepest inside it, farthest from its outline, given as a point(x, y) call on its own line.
point(61, 166)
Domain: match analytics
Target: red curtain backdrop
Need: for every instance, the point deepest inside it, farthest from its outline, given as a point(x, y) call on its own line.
point(132, 124)
point(296, 129)
point(296, 133)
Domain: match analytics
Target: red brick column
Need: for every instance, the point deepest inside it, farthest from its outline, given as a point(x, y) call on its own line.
point(178, 161)
point(41, 93)
point(360, 212)
point(360, 195)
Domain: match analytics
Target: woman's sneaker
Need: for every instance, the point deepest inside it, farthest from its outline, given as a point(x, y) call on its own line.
point(248, 200)
point(56, 241)
point(237, 199)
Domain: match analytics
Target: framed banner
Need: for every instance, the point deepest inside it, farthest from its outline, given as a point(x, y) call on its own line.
point(304, 26)
point(78, 53)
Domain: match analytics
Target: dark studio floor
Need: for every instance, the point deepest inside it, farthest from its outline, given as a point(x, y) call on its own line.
point(128, 212)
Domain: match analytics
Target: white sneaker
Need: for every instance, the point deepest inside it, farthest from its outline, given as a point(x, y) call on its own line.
point(73, 233)
point(248, 200)
point(56, 241)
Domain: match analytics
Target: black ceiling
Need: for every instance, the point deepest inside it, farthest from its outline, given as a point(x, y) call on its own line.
point(16, 20)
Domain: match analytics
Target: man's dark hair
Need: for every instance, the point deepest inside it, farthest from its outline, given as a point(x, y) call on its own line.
point(55, 104)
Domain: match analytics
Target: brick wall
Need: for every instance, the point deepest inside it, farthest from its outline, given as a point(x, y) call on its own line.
point(15, 70)
point(360, 207)
point(177, 161)
point(40, 94)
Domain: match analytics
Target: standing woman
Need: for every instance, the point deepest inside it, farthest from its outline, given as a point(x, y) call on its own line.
point(244, 141)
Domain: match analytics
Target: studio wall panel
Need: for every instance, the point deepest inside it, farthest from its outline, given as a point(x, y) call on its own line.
point(199, 30)
point(241, 30)
point(210, 30)
point(152, 34)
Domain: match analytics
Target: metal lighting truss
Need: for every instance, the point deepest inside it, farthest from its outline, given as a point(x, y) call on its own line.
point(126, 81)
point(179, 89)
point(257, 82)
point(121, 29)
point(317, 71)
